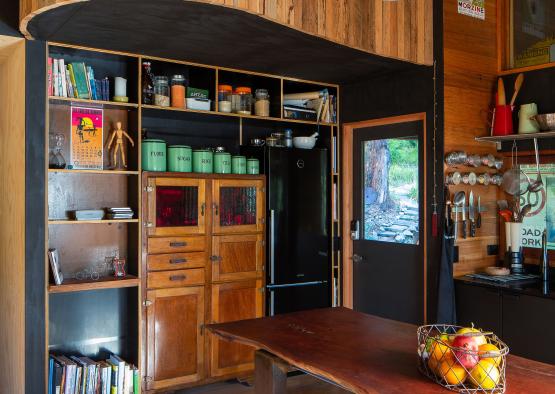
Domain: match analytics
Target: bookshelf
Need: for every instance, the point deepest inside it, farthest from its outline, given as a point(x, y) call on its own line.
point(86, 243)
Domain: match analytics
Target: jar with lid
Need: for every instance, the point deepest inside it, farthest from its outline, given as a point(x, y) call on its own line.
point(161, 91)
point(178, 91)
point(224, 98)
point(288, 138)
point(148, 84)
point(262, 102)
point(243, 97)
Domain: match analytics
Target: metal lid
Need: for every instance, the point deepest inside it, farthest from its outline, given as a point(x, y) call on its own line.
point(179, 146)
point(223, 153)
point(153, 140)
point(252, 159)
point(239, 157)
point(202, 150)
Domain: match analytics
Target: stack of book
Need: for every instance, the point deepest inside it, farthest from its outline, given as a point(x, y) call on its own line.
point(318, 106)
point(119, 213)
point(76, 80)
point(81, 375)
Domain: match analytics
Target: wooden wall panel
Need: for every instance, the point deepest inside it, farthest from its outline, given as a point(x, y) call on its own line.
point(401, 29)
point(470, 67)
point(12, 212)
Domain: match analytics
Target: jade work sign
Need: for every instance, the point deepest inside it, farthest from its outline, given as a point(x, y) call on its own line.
point(473, 8)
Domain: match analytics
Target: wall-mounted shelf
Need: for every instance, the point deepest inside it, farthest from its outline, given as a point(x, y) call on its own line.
point(103, 221)
point(513, 137)
point(70, 100)
point(109, 172)
point(109, 282)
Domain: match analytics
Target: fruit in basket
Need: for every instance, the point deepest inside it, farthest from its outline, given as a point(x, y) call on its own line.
point(466, 351)
point(440, 350)
point(485, 375)
point(480, 339)
point(452, 372)
point(489, 352)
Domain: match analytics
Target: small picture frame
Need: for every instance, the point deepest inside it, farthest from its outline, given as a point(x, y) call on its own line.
point(119, 267)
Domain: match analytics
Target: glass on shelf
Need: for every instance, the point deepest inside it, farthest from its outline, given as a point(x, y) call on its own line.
point(56, 159)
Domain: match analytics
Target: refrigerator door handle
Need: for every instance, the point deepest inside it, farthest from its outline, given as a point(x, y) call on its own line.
point(316, 282)
point(272, 246)
point(272, 303)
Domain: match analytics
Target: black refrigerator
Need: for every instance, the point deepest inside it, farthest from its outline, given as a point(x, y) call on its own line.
point(298, 220)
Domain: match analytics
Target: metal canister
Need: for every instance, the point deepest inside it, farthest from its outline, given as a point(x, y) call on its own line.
point(253, 166)
point(203, 161)
point(180, 158)
point(239, 165)
point(288, 138)
point(222, 163)
point(153, 155)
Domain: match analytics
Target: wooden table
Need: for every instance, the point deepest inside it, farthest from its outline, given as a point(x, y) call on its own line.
point(361, 353)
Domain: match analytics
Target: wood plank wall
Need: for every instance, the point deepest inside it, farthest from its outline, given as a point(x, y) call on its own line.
point(400, 29)
point(12, 212)
point(470, 62)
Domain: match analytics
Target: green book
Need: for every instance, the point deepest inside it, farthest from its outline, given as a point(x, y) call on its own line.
point(136, 386)
point(197, 93)
point(80, 75)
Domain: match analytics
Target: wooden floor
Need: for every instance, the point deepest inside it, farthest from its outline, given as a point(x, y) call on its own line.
point(301, 384)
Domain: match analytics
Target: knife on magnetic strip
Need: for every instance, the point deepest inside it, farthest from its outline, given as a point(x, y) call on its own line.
point(471, 214)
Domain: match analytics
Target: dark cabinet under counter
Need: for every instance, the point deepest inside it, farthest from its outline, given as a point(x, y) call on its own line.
point(478, 305)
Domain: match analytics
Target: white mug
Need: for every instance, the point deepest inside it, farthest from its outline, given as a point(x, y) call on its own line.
point(525, 123)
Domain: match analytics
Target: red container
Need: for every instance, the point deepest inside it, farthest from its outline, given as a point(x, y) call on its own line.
point(503, 120)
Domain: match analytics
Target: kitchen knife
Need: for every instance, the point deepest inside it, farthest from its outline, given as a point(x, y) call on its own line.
point(471, 214)
point(479, 215)
point(463, 208)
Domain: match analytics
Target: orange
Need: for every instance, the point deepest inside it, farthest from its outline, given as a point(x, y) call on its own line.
point(452, 372)
point(440, 350)
point(490, 348)
point(433, 364)
point(485, 375)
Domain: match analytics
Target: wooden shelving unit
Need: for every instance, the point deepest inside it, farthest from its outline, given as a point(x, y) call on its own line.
point(74, 285)
point(103, 221)
point(105, 172)
point(71, 100)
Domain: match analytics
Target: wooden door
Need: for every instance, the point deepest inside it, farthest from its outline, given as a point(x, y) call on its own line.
point(238, 205)
point(175, 342)
point(236, 257)
point(176, 206)
point(230, 302)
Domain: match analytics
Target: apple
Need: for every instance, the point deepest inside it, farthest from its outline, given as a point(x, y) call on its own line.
point(466, 350)
point(480, 339)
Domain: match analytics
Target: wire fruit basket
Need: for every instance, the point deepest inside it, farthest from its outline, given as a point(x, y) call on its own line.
point(462, 359)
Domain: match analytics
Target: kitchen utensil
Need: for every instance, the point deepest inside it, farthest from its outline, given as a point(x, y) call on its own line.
point(502, 204)
point(526, 122)
point(545, 121)
point(479, 217)
point(515, 182)
point(507, 236)
point(538, 183)
point(305, 142)
point(257, 142)
point(506, 214)
point(501, 100)
point(497, 271)
point(271, 141)
point(503, 120)
point(516, 236)
point(471, 214)
point(523, 212)
point(518, 84)
point(544, 264)
point(460, 202)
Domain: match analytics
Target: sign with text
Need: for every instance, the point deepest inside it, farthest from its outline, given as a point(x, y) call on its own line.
point(473, 8)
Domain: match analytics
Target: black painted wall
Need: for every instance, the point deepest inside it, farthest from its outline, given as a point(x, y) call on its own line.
point(9, 18)
point(407, 92)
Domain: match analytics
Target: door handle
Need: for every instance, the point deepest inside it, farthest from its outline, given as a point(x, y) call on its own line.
point(357, 258)
point(272, 250)
point(215, 206)
point(202, 209)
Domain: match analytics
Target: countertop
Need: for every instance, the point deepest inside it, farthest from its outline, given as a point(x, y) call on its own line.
point(528, 287)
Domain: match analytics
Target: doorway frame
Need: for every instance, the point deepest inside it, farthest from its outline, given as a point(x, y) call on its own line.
point(347, 203)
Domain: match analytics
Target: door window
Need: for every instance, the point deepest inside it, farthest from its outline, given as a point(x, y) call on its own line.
point(176, 206)
point(390, 190)
point(237, 206)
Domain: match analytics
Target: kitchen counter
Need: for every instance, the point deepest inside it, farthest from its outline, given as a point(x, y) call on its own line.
point(527, 287)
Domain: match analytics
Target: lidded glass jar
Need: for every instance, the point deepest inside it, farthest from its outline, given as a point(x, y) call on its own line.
point(161, 91)
point(244, 100)
point(178, 91)
point(224, 98)
point(262, 102)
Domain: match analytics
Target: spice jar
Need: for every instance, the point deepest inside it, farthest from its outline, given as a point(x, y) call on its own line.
point(243, 97)
point(262, 102)
point(224, 98)
point(161, 91)
point(178, 91)
point(148, 84)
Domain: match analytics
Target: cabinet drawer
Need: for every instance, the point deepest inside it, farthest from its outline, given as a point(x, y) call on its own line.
point(172, 261)
point(177, 278)
point(176, 244)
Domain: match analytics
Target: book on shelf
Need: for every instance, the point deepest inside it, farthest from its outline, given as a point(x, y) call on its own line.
point(316, 106)
point(50, 73)
point(54, 258)
point(82, 375)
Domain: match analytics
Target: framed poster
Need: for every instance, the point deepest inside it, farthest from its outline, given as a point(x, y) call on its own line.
point(86, 139)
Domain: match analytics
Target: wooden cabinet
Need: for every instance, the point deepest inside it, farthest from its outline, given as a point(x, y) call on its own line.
point(478, 305)
point(238, 206)
point(176, 206)
point(236, 257)
point(175, 342)
point(230, 302)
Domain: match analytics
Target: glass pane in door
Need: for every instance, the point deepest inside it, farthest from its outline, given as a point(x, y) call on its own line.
point(176, 206)
point(390, 187)
point(237, 206)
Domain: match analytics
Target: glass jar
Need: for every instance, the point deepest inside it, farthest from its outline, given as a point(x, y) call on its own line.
point(243, 97)
point(148, 84)
point(262, 102)
point(161, 91)
point(224, 98)
point(178, 91)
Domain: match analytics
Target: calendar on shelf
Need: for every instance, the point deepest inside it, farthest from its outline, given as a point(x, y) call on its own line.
point(86, 138)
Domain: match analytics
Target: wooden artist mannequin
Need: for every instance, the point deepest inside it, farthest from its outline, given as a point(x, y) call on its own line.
point(119, 144)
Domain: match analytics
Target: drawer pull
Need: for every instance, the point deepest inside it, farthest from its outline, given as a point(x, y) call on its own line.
point(178, 277)
point(177, 244)
point(178, 261)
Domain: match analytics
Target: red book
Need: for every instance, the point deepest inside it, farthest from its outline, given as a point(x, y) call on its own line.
point(50, 86)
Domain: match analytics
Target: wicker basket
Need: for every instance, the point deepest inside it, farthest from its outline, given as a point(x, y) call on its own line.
point(461, 369)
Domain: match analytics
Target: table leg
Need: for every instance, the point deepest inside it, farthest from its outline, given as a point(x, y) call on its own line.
point(270, 374)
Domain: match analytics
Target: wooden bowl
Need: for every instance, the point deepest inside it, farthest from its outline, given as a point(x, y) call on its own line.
point(497, 271)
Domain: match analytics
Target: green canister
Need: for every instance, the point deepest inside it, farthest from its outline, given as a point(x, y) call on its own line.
point(239, 165)
point(180, 158)
point(222, 163)
point(253, 167)
point(153, 155)
point(203, 161)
